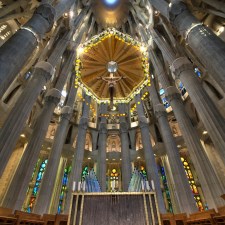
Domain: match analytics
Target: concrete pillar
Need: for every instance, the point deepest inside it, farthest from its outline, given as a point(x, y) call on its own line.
point(17, 191)
point(101, 172)
point(20, 46)
point(182, 69)
point(17, 50)
point(75, 175)
point(17, 117)
point(208, 47)
point(210, 116)
point(210, 183)
point(125, 151)
point(46, 189)
point(184, 194)
point(151, 167)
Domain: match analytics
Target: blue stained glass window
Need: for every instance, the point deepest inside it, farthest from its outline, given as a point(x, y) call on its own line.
point(37, 185)
point(67, 171)
point(197, 71)
point(166, 188)
point(161, 91)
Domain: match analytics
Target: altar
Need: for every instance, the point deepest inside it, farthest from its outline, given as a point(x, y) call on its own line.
point(110, 208)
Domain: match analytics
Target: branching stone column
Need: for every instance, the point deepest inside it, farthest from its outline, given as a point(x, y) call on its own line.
point(20, 112)
point(208, 47)
point(16, 119)
point(44, 195)
point(20, 46)
point(210, 116)
point(101, 172)
point(210, 183)
point(125, 151)
point(17, 191)
point(182, 186)
point(151, 167)
point(75, 175)
point(17, 50)
point(183, 69)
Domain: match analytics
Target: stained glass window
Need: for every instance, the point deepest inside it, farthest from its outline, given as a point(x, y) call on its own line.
point(192, 184)
point(197, 71)
point(114, 180)
point(166, 189)
point(143, 172)
point(84, 172)
point(165, 102)
point(37, 185)
point(67, 171)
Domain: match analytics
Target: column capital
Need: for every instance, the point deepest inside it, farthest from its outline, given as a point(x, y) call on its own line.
point(179, 65)
point(83, 124)
point(123, 127)
point(143, 121)
point(53, 95)
point(47, 67)
point(175, 10)
point(46, 11)
point(171, 93)
point(159, 111)
point(66, 112)
point(102, 128)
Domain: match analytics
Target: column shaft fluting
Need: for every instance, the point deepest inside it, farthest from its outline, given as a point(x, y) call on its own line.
point(75, 175)
point(125, 151)
point(209, 182)
point(151, 166)
point(24, 105)
point(44, 195)
point(183, 190)
point(101, 172)
point(213, 121)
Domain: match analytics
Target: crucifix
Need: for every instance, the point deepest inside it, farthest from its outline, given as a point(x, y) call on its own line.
point(112, 79)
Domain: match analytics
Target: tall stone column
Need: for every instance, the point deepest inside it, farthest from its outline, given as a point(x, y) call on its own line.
point(17, 117)
point(208, 47)
point(20, 112)
point(17, 191)
point(53, 207)
point(101, 172)
point(182, 69)
point(151, 167)
point(46, 189)
point(75, 175)
point(125, 151)
point(20, 46)
point(210, 183)
point(183, 190)
point(17, 50)
point(210, 116)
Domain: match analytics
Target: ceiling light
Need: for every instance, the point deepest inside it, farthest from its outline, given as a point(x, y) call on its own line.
point(89, 158)
point(107, 159)
point(22, 135)
point(138, 157)
point(178, 146)
point(111, 2)
point(80, 50)
point(204, 132)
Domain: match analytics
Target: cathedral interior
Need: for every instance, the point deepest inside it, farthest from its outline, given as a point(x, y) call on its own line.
point(112, 96)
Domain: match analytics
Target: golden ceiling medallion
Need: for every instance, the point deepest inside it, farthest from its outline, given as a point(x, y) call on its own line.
point(112, 59)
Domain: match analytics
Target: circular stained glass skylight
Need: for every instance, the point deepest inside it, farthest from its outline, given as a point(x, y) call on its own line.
point(111, 2)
